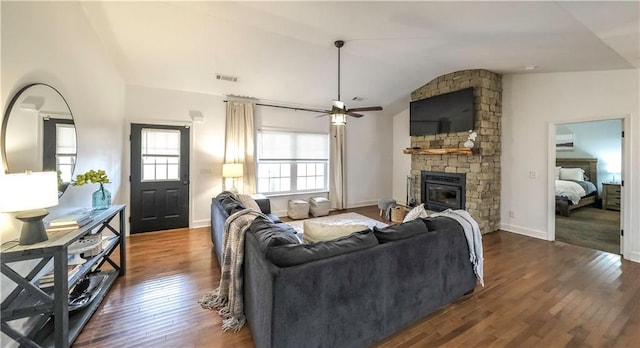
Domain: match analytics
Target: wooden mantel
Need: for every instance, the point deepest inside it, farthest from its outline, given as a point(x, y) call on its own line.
point(449, 151)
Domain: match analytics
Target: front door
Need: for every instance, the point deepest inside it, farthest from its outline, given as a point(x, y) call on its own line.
point(159, 177)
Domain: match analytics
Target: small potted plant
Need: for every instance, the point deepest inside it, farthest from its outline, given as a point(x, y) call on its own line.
point(101, 199)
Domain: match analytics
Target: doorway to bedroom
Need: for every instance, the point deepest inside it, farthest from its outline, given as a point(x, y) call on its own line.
point(588, 184)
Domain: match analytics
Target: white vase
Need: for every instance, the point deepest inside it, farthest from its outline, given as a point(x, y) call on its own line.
point(468, 144)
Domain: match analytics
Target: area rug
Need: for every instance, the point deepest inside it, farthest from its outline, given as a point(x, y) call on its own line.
point(340, 219)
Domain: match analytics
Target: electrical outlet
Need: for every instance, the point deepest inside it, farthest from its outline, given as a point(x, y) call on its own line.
point(532, 174)
point(512, 214)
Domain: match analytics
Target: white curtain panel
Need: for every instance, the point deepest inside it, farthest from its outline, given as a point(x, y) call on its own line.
point(337, 176)
point(239, 142)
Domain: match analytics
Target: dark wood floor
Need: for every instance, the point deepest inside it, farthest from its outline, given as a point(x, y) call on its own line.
point(537, 294)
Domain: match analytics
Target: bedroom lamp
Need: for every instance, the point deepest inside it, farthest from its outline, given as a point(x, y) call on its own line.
point(614, 168)
point(233, 171)
point(28, 194)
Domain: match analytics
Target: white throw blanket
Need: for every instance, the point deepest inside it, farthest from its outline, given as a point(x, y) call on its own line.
point(228, 297)
point(474, 238)
point(570, 190)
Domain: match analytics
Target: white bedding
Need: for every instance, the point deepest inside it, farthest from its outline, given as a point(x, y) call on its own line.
point(570, 190)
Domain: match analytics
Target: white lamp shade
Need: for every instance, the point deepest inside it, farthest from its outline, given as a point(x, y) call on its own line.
point(232, 170)
point(614, 167)
point(27, 191)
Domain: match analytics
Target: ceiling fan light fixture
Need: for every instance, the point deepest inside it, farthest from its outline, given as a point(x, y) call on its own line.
point(338, 119)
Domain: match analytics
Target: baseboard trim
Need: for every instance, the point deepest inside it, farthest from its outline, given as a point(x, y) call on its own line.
point(634, 256)
point(524, 231)
point(200, 223)
point(362, 204)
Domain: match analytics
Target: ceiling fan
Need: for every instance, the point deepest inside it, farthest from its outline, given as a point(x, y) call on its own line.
point(339, 111)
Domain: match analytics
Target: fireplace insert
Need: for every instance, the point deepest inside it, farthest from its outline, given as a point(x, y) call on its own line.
point(442, 191)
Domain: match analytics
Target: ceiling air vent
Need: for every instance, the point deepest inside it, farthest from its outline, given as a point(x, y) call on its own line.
point(227, 78)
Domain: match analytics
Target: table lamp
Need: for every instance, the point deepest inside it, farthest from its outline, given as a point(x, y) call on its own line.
point(28, 194)
point(232, 170)
point(614, 168)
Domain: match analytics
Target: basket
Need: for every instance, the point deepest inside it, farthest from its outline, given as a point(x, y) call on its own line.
point(398, 213)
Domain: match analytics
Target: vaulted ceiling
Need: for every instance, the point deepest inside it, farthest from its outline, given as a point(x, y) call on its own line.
point(283, 52)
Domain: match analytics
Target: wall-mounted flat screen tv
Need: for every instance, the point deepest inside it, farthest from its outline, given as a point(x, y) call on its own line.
point(445, 113)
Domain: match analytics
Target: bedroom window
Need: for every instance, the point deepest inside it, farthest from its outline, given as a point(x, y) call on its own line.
point(292, 162)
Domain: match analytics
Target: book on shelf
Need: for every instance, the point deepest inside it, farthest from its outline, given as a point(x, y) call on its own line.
point(47, 280)
point(70, 221)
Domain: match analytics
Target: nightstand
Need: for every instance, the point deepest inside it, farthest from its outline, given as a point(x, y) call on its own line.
point(611, 196)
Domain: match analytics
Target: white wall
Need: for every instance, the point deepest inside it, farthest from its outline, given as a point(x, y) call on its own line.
point(401, 162)
point(162, 106)
point(532, 104)
point(369, 152)
point(52, 43)
point(368, 144)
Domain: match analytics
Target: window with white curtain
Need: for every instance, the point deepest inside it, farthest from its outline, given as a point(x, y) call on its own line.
point(292, 162)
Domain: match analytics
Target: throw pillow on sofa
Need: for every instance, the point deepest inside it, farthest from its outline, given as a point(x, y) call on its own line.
point(318, 232)
point(400, 231)
point(291, 255)
point(417, 212)
point(270, 234)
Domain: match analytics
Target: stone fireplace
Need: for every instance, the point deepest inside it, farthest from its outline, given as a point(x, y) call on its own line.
point(481, 169)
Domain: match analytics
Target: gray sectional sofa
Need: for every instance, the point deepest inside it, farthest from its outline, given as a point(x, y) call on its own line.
point(350, 292)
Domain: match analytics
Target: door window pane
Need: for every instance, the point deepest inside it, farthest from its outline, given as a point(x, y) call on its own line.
point(160, 154)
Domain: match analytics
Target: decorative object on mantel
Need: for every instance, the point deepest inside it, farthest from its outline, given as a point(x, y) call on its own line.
point(100, 199)
point(470, 139)
point(28, 194)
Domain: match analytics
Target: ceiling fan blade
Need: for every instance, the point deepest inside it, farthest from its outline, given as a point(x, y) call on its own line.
point(354, 114)
point(367, 108)
point(323, 115)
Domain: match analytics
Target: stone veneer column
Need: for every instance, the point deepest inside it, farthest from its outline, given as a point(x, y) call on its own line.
point(483, 170)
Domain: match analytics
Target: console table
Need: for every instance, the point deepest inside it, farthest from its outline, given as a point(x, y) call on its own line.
point(54, 325)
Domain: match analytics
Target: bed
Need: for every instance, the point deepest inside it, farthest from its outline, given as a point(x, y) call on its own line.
point(564, 205)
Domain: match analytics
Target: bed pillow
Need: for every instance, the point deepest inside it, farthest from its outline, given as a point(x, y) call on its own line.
point(317, 232)
point(576, 174)
point(557, 173)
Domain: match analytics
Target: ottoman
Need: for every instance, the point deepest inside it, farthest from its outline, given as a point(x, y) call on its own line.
point(385, 206)
point(298, 209)
point(319, 206)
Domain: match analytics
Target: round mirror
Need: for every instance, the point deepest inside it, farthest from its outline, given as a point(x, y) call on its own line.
point(38, 134)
